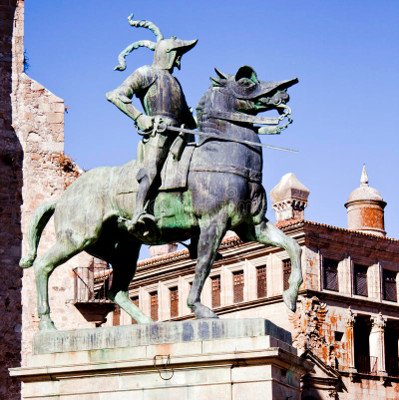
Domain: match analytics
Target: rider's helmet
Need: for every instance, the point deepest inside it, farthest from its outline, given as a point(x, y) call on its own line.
point(168, 52)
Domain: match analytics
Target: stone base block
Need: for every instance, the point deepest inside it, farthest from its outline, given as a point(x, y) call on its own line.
point(222, 359)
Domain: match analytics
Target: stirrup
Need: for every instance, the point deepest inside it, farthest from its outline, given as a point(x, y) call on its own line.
point(142, 219)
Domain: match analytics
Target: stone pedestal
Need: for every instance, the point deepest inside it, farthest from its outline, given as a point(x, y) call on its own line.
point(202, 359)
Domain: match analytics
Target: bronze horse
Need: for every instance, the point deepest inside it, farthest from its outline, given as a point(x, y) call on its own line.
point(223, 192)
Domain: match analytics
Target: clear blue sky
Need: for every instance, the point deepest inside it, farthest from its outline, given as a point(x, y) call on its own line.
point(345, 53)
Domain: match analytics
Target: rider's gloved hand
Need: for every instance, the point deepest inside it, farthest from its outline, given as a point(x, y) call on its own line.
point(145, 123)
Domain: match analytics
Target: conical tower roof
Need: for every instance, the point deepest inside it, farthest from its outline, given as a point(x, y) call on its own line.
point(364, 192)
point(365, 208)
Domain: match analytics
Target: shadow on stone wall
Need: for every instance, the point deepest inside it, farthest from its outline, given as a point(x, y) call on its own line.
point(11, 157)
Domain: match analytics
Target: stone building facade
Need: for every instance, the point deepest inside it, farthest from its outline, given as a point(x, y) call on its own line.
point(347, 322)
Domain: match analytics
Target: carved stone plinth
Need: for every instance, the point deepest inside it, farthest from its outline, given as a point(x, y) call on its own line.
point(224, 359)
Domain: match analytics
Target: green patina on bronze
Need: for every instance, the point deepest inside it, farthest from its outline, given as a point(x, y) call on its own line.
point(174, 210)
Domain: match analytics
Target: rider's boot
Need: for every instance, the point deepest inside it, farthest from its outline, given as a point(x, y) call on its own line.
point(140, 216)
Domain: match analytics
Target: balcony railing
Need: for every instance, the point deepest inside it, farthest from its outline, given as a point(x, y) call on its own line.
point(367, 364)
point(92, 283)
point(392, 366)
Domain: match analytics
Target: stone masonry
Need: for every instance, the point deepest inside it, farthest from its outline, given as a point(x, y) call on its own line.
point(32, 170)
point(10, 204)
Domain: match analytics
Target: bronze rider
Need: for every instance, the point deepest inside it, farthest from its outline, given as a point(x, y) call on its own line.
point(163, 101)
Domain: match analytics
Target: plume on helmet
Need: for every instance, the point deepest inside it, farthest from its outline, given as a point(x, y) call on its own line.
point(141, 43)
point(146, 24)
point(122, 56)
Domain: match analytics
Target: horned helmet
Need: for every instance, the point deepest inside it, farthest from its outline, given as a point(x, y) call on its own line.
point(168, 52)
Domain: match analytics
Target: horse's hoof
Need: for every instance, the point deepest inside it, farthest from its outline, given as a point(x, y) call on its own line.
point(289, 300)
point(202, 311)
point(145, 320)
point(47, 325)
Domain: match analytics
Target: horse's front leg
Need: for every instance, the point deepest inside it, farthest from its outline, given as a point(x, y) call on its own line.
point(124, 263)
point(267, 233)
point(212, 231)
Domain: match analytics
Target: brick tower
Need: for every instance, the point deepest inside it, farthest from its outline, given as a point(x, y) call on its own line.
point(365, 208)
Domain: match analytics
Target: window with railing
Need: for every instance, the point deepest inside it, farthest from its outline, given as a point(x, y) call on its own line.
point(216, 289)
point(238, 286)
point(360, 280)
point(391, 337)
point(174, 301)
point(330, 274)
point(154, 305)
point(361, 343)
point(286, 273)
point(389, 285)
point(261, 282)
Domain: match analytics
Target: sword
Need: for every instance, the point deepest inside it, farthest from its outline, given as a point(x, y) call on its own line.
point(160, 127)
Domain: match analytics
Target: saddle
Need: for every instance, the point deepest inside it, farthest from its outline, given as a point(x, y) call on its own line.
point(174, 172)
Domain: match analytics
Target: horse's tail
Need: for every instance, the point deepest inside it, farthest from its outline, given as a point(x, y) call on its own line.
point(37, 224)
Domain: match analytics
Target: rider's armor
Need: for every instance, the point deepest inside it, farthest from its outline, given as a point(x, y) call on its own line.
point(162, 100)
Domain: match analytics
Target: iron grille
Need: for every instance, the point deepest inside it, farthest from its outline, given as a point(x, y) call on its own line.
point(389, 285)
point(238, 286)
point(216, 286)
point(261, 282)
point(174, 301)
point(360, 276)
point(154, 305)
point(392, 366)
point(363, 363)
point(331, 274)
point(286, 273)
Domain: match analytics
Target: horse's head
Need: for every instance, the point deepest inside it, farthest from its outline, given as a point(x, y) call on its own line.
point(243, 93)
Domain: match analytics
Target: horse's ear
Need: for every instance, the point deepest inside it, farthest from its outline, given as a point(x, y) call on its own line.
point(246, 72)
point(216, 82)
point(221, 74)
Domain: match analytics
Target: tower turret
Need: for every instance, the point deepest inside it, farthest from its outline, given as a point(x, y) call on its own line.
point(289, 197)
point(365, 208)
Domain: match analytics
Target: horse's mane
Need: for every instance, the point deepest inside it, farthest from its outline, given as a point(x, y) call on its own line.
point(217, 82)
point(203, 105)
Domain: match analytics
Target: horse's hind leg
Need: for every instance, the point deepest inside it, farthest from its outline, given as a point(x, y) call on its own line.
point(124, 262)
point(43, 266)
point(211, 234)
point(267, 233)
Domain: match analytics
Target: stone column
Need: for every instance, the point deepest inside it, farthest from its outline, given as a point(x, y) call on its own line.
point(377, 342)
point(350, 339)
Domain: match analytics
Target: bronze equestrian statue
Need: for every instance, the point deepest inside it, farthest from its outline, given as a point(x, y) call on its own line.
point(214, 186)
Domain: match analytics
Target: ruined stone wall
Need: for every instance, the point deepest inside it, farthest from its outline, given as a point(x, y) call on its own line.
point(10, 203)
point(31, 172)
point(38, 119)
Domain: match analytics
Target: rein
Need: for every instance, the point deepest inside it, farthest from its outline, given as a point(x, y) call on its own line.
point(160, 127)
point(253, 119)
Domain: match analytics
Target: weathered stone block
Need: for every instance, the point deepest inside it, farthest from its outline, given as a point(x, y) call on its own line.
point(55, 117)
point(150, 334)
point(199, 359)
